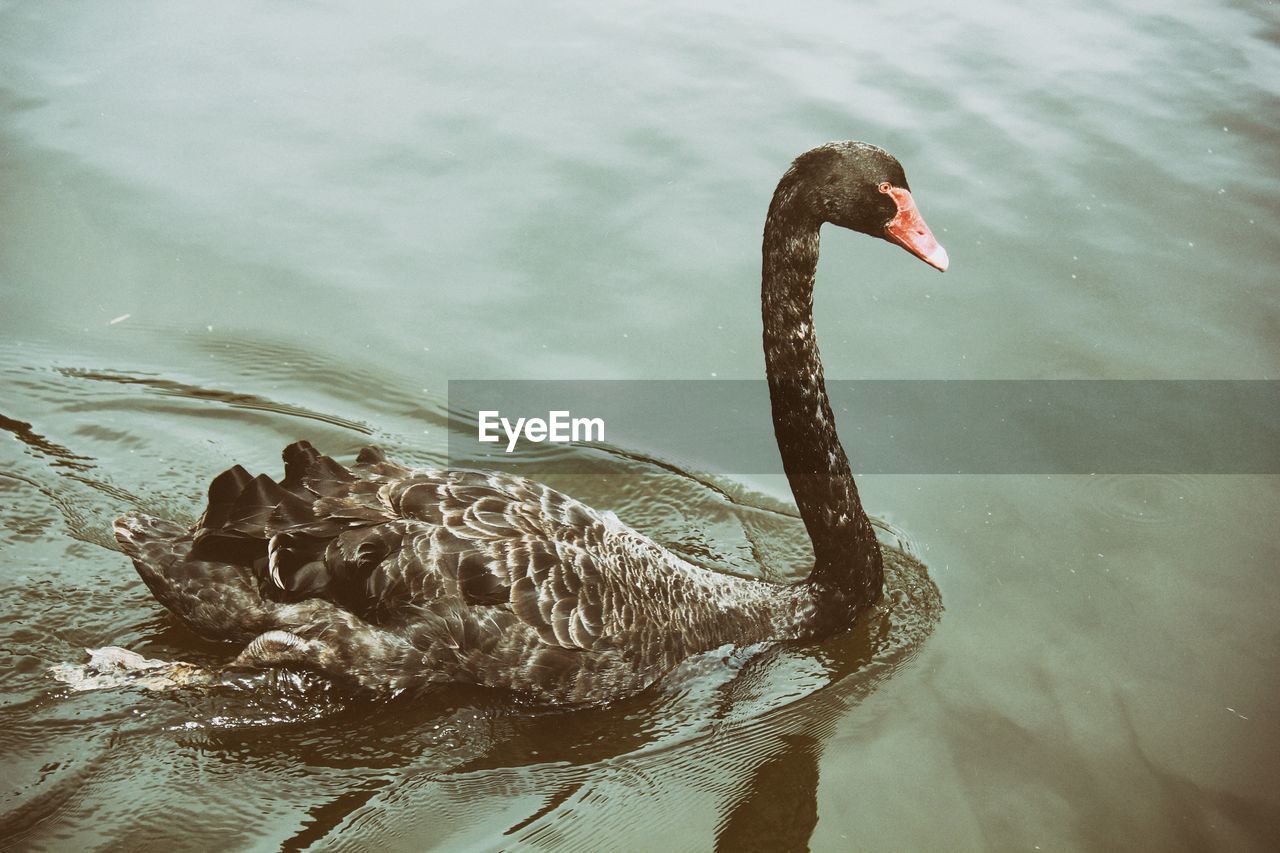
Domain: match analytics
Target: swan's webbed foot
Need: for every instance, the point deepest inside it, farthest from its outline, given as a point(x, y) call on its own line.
point(285, 651)
point(277, 649)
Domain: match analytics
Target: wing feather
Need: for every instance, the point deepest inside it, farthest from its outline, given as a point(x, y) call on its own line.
point(480, 570)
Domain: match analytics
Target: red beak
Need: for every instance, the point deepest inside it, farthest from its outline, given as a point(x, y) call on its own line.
point(908, 230)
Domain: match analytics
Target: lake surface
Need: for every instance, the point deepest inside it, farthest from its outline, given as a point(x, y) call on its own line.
point(224, 228)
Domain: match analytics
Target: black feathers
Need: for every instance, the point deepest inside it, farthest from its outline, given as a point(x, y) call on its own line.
point(223, 491)
point(391, 577)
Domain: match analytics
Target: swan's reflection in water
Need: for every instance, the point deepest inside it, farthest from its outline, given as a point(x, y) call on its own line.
point(778, 807)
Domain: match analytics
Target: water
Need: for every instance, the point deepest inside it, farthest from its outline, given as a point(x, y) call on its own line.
point(227, 228)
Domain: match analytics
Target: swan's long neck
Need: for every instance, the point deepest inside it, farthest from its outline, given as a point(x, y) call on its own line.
point(847, 556)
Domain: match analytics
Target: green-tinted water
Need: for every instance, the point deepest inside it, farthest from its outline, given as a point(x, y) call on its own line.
point(226, 227)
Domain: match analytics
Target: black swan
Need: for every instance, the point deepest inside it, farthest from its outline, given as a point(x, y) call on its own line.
point(393, 579)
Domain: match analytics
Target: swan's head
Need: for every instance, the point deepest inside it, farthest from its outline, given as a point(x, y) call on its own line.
point(863, 188)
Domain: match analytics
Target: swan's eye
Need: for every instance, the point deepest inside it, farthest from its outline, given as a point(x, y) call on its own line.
point(885, 186)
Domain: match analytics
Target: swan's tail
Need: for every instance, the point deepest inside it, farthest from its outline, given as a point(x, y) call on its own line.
point(139, 534)
point(259, 545)
point(218, 600)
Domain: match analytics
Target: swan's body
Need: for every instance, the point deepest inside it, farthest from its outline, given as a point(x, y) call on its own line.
point(424, 576)
point(395, 579)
